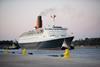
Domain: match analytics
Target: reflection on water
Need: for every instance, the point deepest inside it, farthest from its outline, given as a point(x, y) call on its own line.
point(92, 53)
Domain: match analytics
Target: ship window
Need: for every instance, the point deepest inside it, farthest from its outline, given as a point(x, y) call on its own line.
point(52, 35)
point(55, 28)
point(62, 35)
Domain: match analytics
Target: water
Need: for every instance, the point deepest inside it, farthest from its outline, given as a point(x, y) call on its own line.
point(85, 57)
point(90, 53)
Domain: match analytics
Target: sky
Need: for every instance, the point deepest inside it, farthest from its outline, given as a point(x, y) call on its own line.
point(81, 17)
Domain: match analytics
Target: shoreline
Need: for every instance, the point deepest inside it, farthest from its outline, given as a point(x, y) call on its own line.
point(87, 46)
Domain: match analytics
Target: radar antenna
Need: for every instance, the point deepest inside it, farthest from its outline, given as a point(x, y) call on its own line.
point(53, 17)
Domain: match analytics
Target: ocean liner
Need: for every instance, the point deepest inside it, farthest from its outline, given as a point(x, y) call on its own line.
point(45, 37)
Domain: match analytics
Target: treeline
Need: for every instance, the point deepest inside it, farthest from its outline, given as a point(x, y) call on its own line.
point(9, 44)
point(87, 42)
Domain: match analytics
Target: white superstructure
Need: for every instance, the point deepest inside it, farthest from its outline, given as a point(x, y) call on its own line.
point(43, 34)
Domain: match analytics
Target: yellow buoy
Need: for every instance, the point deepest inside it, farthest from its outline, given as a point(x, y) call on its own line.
point(67, 53)
point(24, 52)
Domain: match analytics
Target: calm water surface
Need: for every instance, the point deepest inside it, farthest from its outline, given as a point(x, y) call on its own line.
point(90, 53)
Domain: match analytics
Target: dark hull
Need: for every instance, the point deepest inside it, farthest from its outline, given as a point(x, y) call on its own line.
point(69, 40)
point(68, 43)
point(51, 44)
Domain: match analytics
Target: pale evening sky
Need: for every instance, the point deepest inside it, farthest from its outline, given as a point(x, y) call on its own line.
point(82, 17)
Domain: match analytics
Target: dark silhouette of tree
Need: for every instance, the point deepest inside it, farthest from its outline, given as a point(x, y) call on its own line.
point(6, 44)
point(87, 42)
